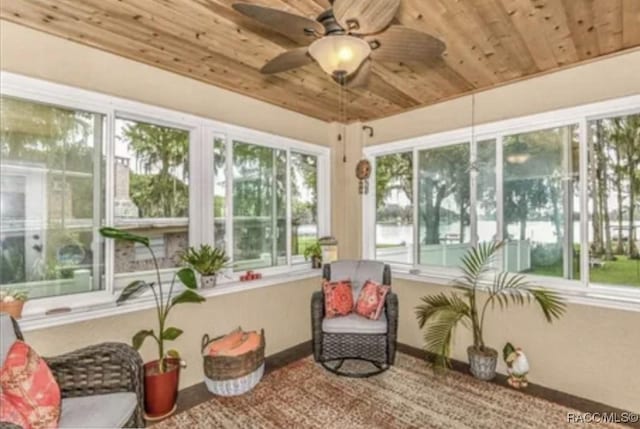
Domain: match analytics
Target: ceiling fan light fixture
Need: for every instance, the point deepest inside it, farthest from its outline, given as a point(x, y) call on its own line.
point(339, 55)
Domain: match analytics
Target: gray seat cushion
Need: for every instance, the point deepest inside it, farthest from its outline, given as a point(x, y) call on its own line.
point(7, 336)
point(354, 324)
point(358, 272)
point(112, 410)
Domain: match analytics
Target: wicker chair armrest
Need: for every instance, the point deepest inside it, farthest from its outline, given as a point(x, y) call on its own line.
point(392, 311)
point(99, 369)
point(317, 314)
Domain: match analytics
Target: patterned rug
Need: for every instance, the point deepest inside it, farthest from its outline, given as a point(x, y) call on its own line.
point(409, 395)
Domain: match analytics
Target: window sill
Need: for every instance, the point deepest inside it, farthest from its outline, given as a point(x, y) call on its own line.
point(105, 306)
point(619, 298)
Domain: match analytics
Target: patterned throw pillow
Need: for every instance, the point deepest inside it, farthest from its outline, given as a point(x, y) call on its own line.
point(27, 382)
point(371, 300)
point(338, 298)
point(9, 413)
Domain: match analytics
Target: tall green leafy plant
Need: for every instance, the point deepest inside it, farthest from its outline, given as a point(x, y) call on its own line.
point(441, 313)
point(163, 303)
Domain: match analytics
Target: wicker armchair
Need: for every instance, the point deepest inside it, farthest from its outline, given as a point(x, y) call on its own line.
point(95, 370)
point(354, 337)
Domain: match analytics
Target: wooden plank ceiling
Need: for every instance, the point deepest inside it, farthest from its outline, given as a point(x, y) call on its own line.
point(489, 42)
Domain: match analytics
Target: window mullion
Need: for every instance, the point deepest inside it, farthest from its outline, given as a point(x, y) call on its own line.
point(229, 198)
point(416, 212)
point(109, 196)
point(500, 198)
point(288, 209)
point(583, 136)
point(473, 190)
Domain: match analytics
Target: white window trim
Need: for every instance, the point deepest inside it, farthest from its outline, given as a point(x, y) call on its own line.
point(578, 291)
point(83, 306)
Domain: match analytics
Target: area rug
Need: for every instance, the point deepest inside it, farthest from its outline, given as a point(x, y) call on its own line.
point(409, 395)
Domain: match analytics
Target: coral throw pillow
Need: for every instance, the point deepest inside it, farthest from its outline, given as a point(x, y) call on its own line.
point(338, 298)
point(250, 343)
point(371, 300)
point(28, 384)
point(228, 342)
point(10, 414)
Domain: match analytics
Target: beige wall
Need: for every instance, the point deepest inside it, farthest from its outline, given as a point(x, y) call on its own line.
point(591, 352)
point(595, 81)
point(43, 56)
point(282, 310)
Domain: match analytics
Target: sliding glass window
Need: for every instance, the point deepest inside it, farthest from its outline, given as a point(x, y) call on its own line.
point(259, 206)
point(614, 200)
point(304, 204)
point(394, 208)
point(51, 199)
point(541, 202)
point(443, 205)
point(151, 193)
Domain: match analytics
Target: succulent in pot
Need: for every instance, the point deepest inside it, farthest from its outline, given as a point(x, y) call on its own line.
point(12, 302)
point(314, 252)
point(161, 376)
point(207, 261)
point(479, 290)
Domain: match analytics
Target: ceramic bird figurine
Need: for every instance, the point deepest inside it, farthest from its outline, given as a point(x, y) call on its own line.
point(517, 366)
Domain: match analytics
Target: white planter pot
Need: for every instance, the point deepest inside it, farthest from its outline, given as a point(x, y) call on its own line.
point(208, 282)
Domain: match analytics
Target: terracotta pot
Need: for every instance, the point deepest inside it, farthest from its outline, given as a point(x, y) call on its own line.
point(13, 308)
point(161, 389)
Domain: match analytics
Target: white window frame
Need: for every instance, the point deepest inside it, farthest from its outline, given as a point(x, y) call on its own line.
point(582, 291)
point(202, 130)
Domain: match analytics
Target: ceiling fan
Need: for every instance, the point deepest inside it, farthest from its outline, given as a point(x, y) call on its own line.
point(345, 39)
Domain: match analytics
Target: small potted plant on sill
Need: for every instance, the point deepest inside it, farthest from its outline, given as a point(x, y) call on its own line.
point(207, 261)
point(161, 376)
point(314, 252)
point(12, 302)
point(442, 312)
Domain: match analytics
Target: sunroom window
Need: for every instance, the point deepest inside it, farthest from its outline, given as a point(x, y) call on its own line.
point(151, 193)
point(614, 200)
point(51, 199)
point(561, 189)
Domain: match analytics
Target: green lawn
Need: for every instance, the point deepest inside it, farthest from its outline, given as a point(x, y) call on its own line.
point(623, 272)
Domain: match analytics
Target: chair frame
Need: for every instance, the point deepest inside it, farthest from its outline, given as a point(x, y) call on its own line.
point(98, 369)
point(377, 349)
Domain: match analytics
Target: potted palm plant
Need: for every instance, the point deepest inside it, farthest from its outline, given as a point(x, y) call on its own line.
point(207, 261)
point(442, 312)
point(161, 376)
point(314, 252)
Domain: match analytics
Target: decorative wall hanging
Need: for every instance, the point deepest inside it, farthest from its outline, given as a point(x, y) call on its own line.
point(363, 171)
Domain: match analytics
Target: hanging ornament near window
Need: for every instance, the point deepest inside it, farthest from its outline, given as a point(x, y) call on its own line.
point(363, 171)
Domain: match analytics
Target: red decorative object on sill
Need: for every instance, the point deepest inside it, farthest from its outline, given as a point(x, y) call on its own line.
point(250, 275)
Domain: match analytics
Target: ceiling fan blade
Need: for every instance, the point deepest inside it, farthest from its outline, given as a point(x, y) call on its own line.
point(287, 60)
point(358, 79)
point(403, 44)
point(295, 27)
point(365, 16)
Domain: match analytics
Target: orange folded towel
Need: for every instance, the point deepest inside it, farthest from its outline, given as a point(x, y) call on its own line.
point(250, 342)
point(229, 341)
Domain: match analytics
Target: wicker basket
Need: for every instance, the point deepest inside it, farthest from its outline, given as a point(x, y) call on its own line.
point(233, 375)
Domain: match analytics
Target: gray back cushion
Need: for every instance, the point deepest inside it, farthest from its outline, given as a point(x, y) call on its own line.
point(7, 336)
point(358, 272)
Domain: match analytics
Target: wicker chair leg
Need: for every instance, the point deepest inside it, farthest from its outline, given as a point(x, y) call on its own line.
point(380, 368)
